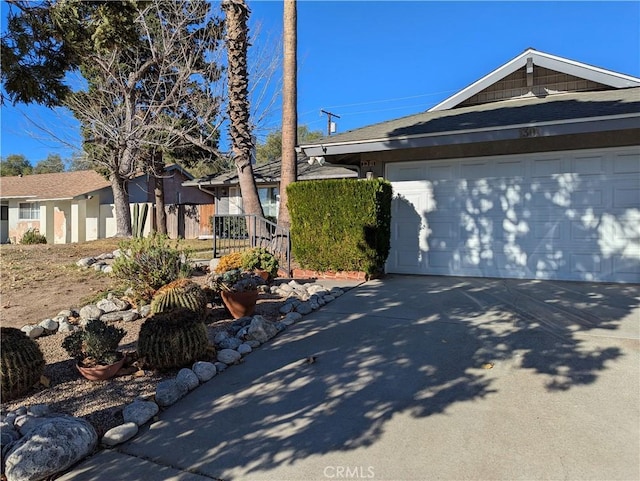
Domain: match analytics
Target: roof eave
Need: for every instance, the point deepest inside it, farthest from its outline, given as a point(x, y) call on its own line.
point(30, 197)
point(545, 60)
point(488, 134)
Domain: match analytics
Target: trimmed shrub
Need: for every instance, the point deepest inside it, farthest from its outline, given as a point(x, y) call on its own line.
point(349, 229)
point(21, 363)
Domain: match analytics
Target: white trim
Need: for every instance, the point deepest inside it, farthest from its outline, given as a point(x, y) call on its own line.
point(564, 65)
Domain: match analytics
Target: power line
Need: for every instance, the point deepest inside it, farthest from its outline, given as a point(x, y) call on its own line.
point(384, 100)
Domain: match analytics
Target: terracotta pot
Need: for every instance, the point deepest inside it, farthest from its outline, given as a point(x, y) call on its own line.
point(101, 373)
point(240, 304)
point(264, 274)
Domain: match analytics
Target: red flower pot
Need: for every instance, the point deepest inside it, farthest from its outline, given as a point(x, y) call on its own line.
point(101, 373)
point(240, 304)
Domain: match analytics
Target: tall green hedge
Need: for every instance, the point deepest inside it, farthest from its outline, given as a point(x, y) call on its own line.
point(340, 225)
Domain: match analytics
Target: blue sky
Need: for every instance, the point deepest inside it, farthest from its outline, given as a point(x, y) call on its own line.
point(371, 61)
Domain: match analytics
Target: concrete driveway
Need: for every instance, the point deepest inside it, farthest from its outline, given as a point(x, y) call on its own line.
point(417, 378)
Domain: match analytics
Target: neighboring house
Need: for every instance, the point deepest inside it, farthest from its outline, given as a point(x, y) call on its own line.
point(78, 206)
point(226, 188)
point(65, 206)
point(531, 172)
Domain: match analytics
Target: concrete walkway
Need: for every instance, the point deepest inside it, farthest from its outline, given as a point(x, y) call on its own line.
point(417, 378)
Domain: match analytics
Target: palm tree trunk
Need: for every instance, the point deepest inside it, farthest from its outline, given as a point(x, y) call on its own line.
point(237, 40)
point(289, 165)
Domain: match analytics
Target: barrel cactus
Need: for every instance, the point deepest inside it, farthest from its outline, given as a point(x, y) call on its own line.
point(174, 338)
point(22, 363)
point(180, 293)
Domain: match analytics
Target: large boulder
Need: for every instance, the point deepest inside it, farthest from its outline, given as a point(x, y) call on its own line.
point(49, 448)
point(261, 330)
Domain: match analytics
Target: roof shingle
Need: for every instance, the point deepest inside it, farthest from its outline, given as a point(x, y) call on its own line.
point(59, 185)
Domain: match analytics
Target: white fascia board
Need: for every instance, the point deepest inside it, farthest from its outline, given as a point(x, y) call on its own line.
point(29, 197)
point(483, 83)
point(582, 70)
point(485, 134)
point(541, 59)
point(38, 199)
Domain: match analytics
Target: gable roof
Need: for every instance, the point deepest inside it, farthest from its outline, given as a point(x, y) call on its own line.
point(56, 186)
point(533, 95)
point(562, 114)
point(269, 173)
point(575, 76)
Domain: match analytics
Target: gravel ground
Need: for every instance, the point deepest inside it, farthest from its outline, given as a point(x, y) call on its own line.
point(101, 402)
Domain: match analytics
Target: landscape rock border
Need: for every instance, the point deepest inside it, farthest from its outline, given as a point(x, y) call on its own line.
point(237, 341)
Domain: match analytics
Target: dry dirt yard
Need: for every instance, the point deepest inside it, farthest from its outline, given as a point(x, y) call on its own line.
point(38, 281)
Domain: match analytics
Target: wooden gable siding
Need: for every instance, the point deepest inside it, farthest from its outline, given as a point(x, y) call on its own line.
point(545, 82)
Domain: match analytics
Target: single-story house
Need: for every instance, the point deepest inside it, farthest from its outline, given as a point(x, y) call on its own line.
point(78, 206)
point(225, 187)
point(532, 172)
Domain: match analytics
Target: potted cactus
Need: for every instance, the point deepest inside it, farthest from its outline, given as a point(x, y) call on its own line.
point(239, 291)
point(95, 349)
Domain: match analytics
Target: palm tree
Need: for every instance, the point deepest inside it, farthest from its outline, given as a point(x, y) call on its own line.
point(289, 167)
point(237, 41)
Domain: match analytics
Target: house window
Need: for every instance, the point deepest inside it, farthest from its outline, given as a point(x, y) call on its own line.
point(29, 211)
point(4, 212)
point(269, 200)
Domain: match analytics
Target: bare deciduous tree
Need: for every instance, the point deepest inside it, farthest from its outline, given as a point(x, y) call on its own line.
point(160, 94)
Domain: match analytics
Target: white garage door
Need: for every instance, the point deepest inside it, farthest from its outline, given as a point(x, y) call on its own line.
point(566, 215)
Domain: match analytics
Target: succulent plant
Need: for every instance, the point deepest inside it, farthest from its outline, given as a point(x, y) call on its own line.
point(98, 341)
point(180, 293)
point(229, 261)
point(235, 280)
point(260, 258)
point(22, 363)
point(174, 338)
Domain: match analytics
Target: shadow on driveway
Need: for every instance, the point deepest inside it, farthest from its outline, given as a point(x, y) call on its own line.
point(425, 378)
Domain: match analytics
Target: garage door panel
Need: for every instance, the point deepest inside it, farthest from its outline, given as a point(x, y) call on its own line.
point(442, 235)
point(586, 264)
point(510, 169)
point(441, 172)
point(547, 231)
point(626, 194)
point(626, 164)
point(625, 265)
point(588, 165)
point(589, 197)
point(574, 216)
point(582, 234)
point(474, 170)
point(545, 168)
